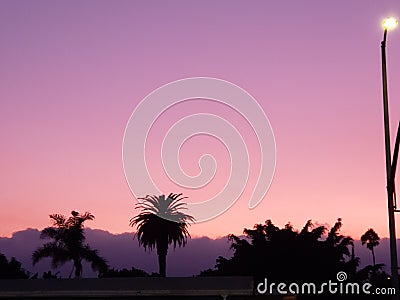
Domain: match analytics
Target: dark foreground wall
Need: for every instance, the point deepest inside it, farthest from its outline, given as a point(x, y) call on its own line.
point(128, 288)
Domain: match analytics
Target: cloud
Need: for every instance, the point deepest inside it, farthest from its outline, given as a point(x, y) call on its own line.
point(122, 251)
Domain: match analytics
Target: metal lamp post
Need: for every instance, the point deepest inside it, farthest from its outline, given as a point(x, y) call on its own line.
point(388, 24)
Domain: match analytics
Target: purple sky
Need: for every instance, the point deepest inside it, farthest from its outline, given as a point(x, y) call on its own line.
point(72, 72)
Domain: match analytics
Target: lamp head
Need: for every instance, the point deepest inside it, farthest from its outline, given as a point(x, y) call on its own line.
point(389, 23)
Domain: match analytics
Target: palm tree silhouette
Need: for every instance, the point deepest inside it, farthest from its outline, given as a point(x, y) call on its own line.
point(69, 243)
point(371, 238)
point(288, 255)
point(160, 224)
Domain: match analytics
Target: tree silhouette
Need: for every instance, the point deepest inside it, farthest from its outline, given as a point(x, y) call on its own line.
point(11, 269)
point(288, 255)
point(371, 239)
point(133, 272)
point(68, 244)
point(160, 224)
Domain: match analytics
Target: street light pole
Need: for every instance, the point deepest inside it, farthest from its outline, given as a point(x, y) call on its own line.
point(389, 185)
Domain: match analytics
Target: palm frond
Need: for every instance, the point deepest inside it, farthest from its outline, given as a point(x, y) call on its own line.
point(50, 233)
point(97, 262)
point(161, 222)
point(58, 220)
point(59, 254)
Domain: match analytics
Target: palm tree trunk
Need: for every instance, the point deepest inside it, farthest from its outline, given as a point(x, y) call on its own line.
point(373, 256)
point(162, 250)
point(70, 274)
point(78, 268)
point(162, 265)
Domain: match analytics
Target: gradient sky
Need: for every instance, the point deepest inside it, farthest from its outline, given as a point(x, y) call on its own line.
point(72, 72)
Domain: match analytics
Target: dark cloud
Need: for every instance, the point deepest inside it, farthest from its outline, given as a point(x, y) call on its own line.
point(122, 251)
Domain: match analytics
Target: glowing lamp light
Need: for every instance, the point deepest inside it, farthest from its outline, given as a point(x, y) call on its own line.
point(389, 23)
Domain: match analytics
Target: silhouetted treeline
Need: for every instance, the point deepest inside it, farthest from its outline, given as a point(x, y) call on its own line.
point(133, 272)
point(11, 269)
point(285, 254)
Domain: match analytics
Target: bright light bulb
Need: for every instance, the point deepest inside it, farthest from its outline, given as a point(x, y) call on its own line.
point(389, 23)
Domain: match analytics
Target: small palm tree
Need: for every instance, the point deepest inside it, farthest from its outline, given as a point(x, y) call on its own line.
point(68, 244)
point(371, 238)
point(160, 224)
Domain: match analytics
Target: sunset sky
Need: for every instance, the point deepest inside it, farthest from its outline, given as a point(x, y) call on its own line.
point(72, 73)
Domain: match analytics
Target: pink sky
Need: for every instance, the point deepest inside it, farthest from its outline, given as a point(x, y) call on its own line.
point(72, 73)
